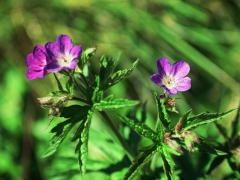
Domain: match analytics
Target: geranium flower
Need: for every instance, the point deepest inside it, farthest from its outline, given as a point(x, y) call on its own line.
point(37, 63)
point(62, 53)
point(172, 77)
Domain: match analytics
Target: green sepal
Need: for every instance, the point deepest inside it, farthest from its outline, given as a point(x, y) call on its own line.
point(168, 163)
point(118, 76)
point(141, 128)
point(114, 104)
point(204, 118)
point(140, 160)
point(82, 145)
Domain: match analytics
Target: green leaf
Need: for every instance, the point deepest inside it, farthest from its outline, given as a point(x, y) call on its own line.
point(162, 115)
point(141, 128)
point(87, 54)
point(168, 163)
point(61, 131)
point(82, 146)
point(233, 164)
point(75, 114)
point(107, 66)
point(118, 76)
point(235, 126)
point(216, 162)
point(204, 118)
point(114, 104)
point(140, 160)
point(76, 111)
point(183, 121)
point(205, 147)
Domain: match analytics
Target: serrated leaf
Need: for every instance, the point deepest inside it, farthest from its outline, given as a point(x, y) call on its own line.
point(78, 132)
point(109, 98)
point(61, 131)
point(82, 146)
point(139, 161)
point(114, 104)
point(233, 164)
point(162, 115)
point(141, 128)
point(118, 76)
point(204, 118)
point(206, 147)
point(216, 162)
point(168, 163)
point(184, 119)
point(107, 66)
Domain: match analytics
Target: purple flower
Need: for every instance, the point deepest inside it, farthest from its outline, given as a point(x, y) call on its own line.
point(172, 77)
point(62, 53)
point(37, 63)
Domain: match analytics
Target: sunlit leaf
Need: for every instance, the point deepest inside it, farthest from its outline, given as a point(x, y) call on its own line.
point(82, 146)
point(114, 104)
point(141, 128)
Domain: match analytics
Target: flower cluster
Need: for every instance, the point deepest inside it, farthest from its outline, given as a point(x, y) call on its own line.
point(54, 57)
point(172, 77)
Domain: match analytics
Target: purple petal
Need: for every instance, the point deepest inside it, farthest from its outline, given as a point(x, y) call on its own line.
point(76, 51)
point(164, 67)
point(183, 84)
point(171, 91)
point(72, 65)
point(156, 78)
point(32, 74)
point(39, 52)
point(53, 67)
point(65, 43)
point(33, 63)
point(180, 69)
point(53, 50)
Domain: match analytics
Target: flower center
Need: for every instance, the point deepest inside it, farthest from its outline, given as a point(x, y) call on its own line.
point(63, 60)
point(169, 82)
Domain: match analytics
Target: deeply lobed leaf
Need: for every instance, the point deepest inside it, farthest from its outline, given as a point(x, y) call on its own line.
point(204, 118)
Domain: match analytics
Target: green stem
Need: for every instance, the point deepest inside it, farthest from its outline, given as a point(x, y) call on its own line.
point(118, 135)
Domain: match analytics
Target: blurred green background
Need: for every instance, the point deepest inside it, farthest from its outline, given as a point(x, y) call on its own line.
point(204, 33)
